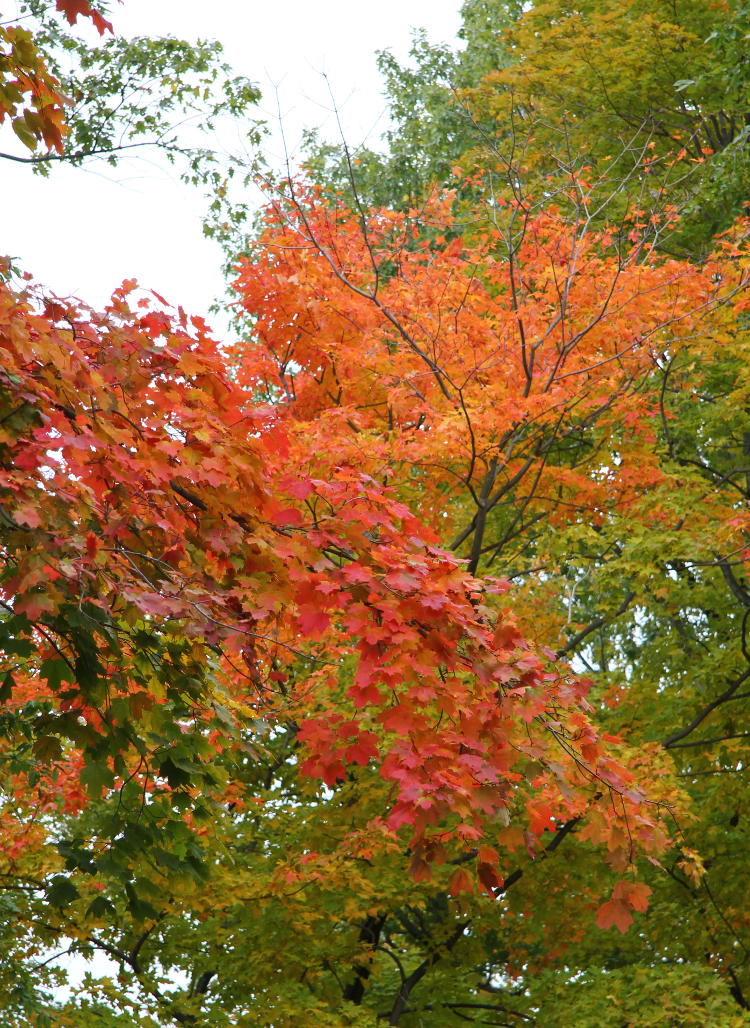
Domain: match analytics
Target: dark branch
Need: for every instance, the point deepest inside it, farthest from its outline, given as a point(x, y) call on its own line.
point(598, 623)
point(673, 740)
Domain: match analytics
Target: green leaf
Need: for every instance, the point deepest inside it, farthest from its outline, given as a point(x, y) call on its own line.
point(141, 909)
point(95, 777)
point(56, 672)
point(6, 689)
point(48, 748)
point(100, 906)
point(61, 892)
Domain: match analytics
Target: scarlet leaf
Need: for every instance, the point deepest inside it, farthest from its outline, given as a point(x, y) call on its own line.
point(72, 9)
point(614, 914)
point(313, 621)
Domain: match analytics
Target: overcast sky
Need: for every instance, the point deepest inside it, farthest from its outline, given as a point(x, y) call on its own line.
point(81, 232)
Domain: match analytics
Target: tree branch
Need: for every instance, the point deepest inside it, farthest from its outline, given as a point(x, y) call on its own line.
point(598, 623)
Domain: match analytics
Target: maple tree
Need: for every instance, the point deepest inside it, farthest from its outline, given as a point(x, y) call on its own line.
point(646, 98)
point(203, 563)
point(604, 515)
point(143, 473)
point(275, 737)
point(79, 101)
point(30, 95)
point(654, 609)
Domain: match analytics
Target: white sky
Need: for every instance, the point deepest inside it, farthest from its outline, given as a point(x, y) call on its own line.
point(81, 232)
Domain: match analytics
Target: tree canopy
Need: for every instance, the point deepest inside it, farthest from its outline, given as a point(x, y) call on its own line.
point(647, 99)
point(387, 665)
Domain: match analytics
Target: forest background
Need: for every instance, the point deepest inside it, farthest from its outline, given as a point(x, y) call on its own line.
point(386, 661)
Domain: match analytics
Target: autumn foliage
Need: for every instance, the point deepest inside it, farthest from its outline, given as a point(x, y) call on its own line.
point(30, 96)
point(186, 548)
point(152, 507)
point(325, 648)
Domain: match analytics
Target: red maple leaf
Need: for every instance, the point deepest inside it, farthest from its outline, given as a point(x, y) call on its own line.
point(313, 621)
point(614, 914)
point(73, 8)
point(635, 894)
point(399, 719)
point(626, 896)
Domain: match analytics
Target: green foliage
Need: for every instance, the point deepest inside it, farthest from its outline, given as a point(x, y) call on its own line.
point(667, 996)
point(646, 101)
point(431, 127)
point(653, 87)
point(140, 96)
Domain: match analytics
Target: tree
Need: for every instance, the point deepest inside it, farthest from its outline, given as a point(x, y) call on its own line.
point(616, 525)
point(203, 562)
point(674, 647)
point(645, 100)
point(275, 743)
point(158, 595)
point(68, 100)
